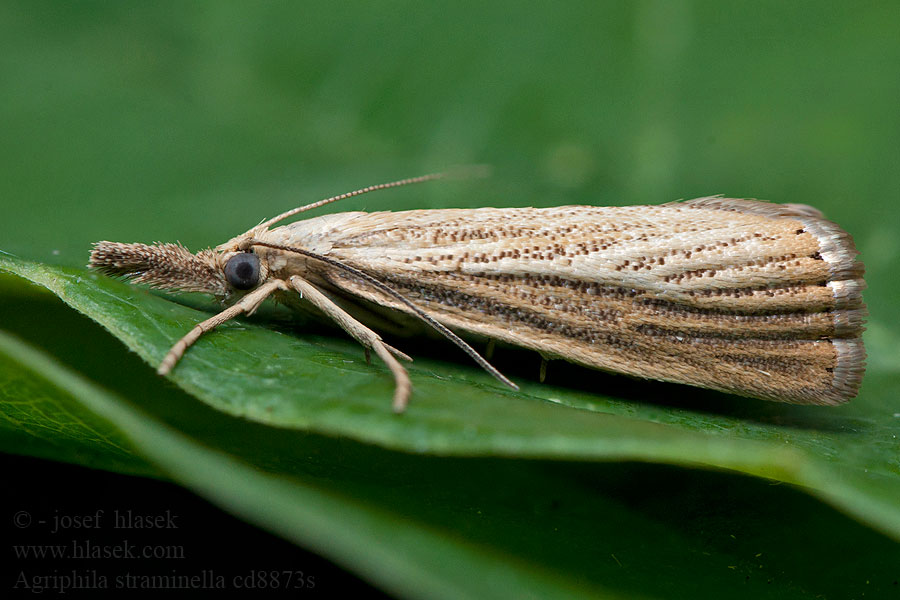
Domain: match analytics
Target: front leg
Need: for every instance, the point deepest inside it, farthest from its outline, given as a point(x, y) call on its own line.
point(247, 304)
point(362, 334)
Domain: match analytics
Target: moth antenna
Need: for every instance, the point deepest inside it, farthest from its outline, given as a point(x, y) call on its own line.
point(359, 192)
point(471, 171)
point(425, 317)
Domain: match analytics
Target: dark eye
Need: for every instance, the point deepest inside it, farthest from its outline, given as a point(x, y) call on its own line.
point(242, 270)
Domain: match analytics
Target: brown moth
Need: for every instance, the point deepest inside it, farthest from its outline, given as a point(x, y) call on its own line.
point(746, 297)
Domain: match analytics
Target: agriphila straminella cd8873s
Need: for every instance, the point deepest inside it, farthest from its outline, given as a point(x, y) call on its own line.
point(751, 298)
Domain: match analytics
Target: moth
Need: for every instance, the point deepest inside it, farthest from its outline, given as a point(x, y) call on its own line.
point(741, 296)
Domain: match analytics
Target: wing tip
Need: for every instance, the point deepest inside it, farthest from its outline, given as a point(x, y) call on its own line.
point(850, 366)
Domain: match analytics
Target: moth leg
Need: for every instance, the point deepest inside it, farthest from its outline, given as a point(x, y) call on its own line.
point(247, 304)
point(362, 334)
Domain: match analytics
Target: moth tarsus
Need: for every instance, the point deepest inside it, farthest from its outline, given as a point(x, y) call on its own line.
point(747, 297)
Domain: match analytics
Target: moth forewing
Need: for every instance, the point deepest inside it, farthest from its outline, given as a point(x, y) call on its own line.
point(741, 296)
point(747, 297)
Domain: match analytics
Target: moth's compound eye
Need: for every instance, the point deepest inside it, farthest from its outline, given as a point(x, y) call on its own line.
point(242, 270)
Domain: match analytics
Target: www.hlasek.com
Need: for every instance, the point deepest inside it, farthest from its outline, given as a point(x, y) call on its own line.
point(86, 549)
point(91, 579)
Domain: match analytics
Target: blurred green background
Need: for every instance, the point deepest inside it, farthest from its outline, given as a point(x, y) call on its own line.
point(192, 121)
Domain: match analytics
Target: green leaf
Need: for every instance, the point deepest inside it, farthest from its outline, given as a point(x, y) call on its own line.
point(484, 528)
point(848, 455)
